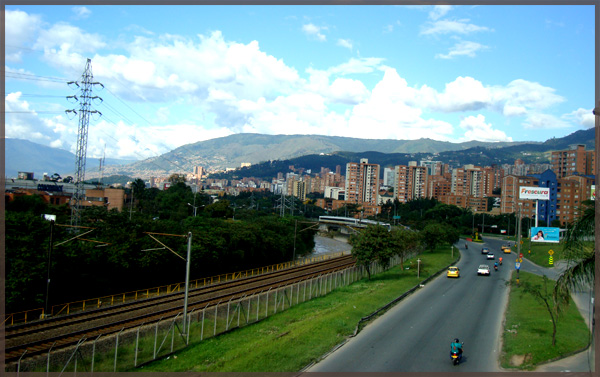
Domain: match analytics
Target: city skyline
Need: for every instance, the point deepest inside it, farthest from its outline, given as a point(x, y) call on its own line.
point(451, 73)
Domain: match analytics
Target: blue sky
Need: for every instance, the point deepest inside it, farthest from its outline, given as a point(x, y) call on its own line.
point(175, 75)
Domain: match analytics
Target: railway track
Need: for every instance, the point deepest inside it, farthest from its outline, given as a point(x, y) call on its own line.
point(57, 333)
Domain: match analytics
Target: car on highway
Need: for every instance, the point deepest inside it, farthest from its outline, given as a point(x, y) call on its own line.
point(506, 249)
point(453, 272)
point(483, 269)
point(485, 250)
point(491, 255)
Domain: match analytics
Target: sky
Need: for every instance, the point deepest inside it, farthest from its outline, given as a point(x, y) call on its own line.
point(174, 75)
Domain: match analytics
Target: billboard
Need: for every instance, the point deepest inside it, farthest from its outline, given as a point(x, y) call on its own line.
point(593, 196)
point(545, 234)
point(535, 193)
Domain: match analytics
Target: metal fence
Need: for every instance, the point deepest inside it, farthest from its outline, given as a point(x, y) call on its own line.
point(98, 302)
point(131, 348)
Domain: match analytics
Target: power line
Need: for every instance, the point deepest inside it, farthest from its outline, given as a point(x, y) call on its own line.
point(29, 76)
point(32, 112)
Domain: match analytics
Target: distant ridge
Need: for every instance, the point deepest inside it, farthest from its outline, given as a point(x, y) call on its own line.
point(231, 151)
point(26, 156)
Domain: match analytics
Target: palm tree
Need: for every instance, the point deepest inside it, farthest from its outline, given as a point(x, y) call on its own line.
point(580, 252)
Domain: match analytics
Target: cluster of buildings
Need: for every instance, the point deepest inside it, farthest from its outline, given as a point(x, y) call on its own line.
point(569, 175)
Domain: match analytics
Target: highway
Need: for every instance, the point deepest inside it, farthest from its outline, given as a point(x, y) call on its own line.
point(415, 335)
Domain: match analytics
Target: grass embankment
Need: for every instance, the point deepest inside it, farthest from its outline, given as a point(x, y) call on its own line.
point(527, 337)
point(538, 253)
point(292, 339)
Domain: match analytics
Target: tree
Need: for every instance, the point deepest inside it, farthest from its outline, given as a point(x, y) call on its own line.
point(219, 209)
point(404, 242)
point(434, 234)
point(373, 244)
point(545, 297)
point(579, 251)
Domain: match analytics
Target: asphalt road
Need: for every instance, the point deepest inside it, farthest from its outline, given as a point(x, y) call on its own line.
point(415, 335)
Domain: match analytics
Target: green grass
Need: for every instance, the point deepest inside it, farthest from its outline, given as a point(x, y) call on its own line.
point(538, 253)
point(528, 329)
point(291, 340)
point(302, 334)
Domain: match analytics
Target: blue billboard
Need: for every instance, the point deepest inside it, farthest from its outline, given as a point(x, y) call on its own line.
point(545, 234)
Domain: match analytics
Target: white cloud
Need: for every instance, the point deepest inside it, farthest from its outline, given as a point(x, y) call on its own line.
point(584, 117)
point(463, 48)
point(439, 11)
point(347, 91)
point(522, 94)
point(356, 66)
point(464, 93)
point(314, 31)
point(346, 43)
point(23, 122)
point(451, 27)
point(476, 129)
point(67, 39)
point(20, 28)
point(544, 121)
point(510, 110)
point(81, 12)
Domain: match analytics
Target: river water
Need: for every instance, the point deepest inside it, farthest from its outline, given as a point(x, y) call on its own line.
point(326, 245)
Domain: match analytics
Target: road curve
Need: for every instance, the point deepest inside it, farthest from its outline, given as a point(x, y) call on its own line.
point(415, 335)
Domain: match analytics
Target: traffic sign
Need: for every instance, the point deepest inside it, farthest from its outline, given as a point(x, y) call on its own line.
point(550, 251)
point(520, 260)
point(517, 265)
point(520, 255)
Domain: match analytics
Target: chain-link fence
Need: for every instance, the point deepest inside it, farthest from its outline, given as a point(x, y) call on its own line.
point(135, 347)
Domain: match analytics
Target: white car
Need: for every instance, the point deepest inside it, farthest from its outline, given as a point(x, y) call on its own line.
point(490, 255)
point(483, 269)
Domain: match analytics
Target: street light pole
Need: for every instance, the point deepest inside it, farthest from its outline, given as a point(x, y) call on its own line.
point(194, 207)
point(48, 280)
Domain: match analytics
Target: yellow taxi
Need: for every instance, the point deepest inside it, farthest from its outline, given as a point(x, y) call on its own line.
point(506, 249)
point(453, 272)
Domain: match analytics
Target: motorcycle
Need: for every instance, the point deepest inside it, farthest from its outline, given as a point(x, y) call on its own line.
point(466, 246)
point(456, 357)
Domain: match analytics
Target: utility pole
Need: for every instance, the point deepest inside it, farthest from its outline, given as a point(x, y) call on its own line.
point(519, 239)
point(85, 99)
point(131, 203)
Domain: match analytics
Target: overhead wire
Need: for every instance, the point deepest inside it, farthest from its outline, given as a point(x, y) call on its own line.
point(33, 77)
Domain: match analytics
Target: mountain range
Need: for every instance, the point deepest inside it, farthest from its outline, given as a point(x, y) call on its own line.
point(231, 151)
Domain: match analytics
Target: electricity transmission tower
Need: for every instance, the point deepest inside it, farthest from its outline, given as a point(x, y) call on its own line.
point(284, 203)
point(85, 99)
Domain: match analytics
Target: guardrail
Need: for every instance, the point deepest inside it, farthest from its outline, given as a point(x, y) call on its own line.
point(98, 302)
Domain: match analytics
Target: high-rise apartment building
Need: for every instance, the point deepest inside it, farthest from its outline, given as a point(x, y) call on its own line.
point(573, 161)
point(388, 176)
point(509, 202)
point(299, 190)
point(410, 182)
point(572, 190)
point(362, 182)
point(475, 181)
point(433, 167)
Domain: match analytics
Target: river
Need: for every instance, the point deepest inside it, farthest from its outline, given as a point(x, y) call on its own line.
point(325, 245)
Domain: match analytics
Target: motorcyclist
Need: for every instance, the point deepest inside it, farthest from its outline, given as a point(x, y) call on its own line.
point(466, 246)
point(496, 266)
point(456, 347)
point(500, 260)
